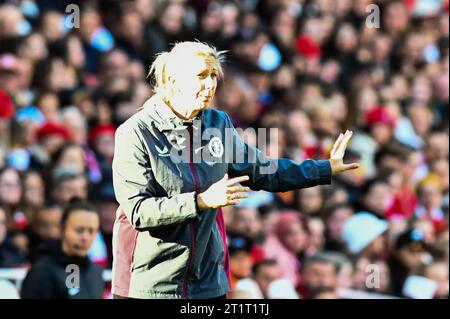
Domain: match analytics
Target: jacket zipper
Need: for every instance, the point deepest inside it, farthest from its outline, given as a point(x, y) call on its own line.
point(191, 225)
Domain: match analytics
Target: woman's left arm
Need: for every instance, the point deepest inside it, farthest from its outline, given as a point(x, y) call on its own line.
point(279, 175)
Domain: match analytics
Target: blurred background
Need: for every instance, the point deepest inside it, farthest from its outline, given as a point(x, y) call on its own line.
point(310, 68)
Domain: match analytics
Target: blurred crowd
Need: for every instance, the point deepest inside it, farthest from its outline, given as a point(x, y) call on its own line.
point(310, 68)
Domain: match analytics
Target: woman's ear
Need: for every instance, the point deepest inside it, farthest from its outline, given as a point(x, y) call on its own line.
point(173, 85)
point(171, 80)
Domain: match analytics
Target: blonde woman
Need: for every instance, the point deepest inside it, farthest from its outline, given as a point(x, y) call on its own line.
point(176, 163)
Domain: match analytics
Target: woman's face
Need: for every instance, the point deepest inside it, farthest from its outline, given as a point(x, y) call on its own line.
point(241, 264)
point(421, 119)
point(172, 18)
point(193, 85)
point(49, 106)
point(379, 197)
point(104, 145)
point(336, 222)
point(316, 231)
point(74, 157)
point(77, 128)
point(34, 190)
point(79, 233)
point(295, 238)
point(310, 200)
point(347, 38)
point(10, 187)
point(382, 133)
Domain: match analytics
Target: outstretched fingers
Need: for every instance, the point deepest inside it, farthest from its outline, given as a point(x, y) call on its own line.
point(340, 149)
point(236, 189)
point(336, 144)
point(237, 180)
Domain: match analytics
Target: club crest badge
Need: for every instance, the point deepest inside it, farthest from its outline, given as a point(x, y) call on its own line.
point(215, 147)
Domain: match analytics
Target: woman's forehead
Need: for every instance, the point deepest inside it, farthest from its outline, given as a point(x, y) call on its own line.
point(196, 64)
point(82, 216)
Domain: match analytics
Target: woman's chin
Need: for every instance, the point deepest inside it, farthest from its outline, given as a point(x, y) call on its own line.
point(205, 104)
point(201, 107)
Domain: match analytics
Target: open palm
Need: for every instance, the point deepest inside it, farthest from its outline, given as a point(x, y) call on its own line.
point(337, 154)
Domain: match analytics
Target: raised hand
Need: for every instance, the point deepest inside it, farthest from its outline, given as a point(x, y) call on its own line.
point(223, 193)
point(337, 154)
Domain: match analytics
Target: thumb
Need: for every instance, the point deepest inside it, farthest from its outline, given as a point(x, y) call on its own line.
point(351, 166)
point(225, 177)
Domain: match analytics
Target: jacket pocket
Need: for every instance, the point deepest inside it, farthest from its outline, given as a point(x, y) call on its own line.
point(159, 247)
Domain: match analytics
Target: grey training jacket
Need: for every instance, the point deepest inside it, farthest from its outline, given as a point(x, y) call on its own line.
point(163, 247)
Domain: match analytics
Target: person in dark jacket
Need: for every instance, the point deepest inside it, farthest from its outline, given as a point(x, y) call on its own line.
point(176, 163)
point(45, 225)
point(63, 269)
point(408, 258)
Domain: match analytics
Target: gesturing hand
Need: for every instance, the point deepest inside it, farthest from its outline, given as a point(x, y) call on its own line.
point(223, 193)
point(337, 154)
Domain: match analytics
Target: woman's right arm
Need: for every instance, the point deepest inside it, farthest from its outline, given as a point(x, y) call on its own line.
point(132, 175)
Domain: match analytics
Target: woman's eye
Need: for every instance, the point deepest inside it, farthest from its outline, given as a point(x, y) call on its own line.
point(204, 76)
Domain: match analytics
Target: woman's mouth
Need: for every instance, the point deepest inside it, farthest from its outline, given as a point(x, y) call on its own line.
point(205, 98)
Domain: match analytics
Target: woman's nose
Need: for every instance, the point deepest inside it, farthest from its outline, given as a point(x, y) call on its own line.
point(209, 82)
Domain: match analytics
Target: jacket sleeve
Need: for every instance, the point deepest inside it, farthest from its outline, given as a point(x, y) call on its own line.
point(132, 176)
point(274, 175)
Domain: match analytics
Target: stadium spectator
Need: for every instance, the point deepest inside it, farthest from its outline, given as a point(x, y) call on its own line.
point(409, 257)
point(45, 224)
point(287, 243)
point(364, 235)
point(241, 261)
point(265, 272)
point(80, 224)
point(318, 272)
point(68, 182)
point(335, 219)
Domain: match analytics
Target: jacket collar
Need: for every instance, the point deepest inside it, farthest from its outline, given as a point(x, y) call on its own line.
point(162, 116)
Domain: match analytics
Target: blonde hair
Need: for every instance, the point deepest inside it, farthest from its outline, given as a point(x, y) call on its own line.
point(164, 63)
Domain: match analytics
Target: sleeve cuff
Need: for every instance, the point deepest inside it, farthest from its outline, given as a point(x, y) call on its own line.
point(324, 172)
point(190, 205)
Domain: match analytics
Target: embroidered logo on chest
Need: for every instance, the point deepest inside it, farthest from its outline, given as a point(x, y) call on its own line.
point(215, 147)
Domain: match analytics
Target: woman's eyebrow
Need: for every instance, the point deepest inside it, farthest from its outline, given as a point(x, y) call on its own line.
point(206, 71)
